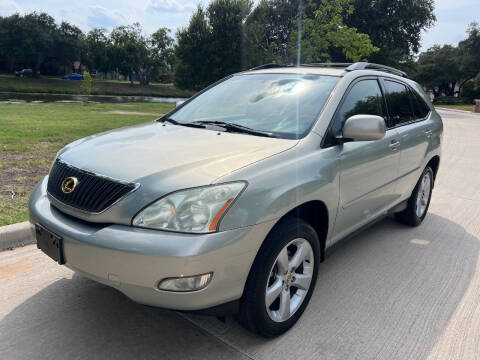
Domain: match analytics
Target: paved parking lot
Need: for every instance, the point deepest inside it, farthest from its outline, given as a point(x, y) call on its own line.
point(391, 292)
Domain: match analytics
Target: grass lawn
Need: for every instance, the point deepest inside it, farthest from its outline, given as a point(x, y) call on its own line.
point(465, 107)
point(10, 83)
point(31, 134)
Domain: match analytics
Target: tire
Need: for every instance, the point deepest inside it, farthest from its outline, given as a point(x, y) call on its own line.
point(418, 204)
point(289, 238)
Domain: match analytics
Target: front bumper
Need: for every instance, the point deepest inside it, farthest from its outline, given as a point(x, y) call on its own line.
point(135, 260)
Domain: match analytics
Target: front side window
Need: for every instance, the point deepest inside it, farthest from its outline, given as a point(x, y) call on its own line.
point(364, 98)
point(285, 105)
point(398, 100)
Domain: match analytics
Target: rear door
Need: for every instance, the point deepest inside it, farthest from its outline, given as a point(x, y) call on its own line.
point(368, 169)
point(410, 115)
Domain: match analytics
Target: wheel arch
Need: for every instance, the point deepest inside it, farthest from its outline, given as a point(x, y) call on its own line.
point(434, 163)
point(315, 213)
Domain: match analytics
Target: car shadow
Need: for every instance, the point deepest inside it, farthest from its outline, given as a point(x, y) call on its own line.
point(387, 293)
point(78, 318)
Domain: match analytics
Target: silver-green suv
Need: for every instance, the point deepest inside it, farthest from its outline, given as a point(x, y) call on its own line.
point(231, 201)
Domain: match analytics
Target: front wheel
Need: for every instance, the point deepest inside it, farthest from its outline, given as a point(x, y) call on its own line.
point(282, 279)
point(419, 201)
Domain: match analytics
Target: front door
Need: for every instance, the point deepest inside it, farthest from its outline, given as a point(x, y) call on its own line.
point(368, 169)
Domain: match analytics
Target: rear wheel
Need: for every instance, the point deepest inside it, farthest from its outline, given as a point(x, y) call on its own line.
point(282, 279)
point(419, 201)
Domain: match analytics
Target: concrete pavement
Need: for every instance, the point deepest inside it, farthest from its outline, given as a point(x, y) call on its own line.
point(391, 292)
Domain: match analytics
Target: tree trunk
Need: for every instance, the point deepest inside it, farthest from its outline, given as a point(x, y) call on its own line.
point(144, 79)
point(451, 89)
point(447, 89)
point(36, 67)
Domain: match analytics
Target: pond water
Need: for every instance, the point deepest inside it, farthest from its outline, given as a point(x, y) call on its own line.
point(33, 97)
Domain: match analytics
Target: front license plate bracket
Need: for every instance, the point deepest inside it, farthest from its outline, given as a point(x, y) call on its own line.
point(51, 244)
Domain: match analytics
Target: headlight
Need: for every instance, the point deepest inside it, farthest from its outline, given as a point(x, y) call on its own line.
point(196, 210)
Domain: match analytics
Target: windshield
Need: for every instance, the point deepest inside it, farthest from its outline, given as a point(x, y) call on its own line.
point(286, 105)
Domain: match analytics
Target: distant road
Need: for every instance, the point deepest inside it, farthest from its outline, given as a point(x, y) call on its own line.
point(392, 292)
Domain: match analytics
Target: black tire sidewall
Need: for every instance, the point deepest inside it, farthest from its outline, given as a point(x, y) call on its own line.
point(254, 297)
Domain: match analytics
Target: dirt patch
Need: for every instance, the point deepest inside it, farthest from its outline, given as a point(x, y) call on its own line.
point(10, 270)
point(20, 171)
point(124, 112)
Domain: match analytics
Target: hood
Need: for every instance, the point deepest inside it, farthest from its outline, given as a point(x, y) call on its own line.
point(167, 150)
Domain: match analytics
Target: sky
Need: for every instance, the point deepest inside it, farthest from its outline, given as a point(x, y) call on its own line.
point(453, 16)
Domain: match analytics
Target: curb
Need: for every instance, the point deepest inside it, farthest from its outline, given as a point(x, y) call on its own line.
point(15, 235)
point(457, 110)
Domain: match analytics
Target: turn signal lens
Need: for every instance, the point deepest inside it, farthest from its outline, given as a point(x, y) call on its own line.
point(213, 224)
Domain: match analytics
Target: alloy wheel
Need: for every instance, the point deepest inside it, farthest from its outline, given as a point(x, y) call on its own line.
point(423, 195)
point(289, 280)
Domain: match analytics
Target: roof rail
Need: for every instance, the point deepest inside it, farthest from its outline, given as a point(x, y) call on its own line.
point(328, 64)
point(372, 66)
point(346, 66)
point(269, 66)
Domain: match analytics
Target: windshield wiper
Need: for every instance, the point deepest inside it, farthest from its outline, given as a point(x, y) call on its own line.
point(236, 128)
point(175, 122)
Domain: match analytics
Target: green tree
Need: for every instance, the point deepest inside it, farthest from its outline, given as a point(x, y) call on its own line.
point(194, 53)
point(27, 40)
point(34, 40)
point(394, 26)
point(438, 69)
point(324, 33)
point(469, 91)
point(133, 53)
point(476, 82)
point(69, 43)
point(157, 56)
point(268, 30)
point(212, 45)
point(226, 19)
point(98, 48)
point(128, 48)
point(469, 50)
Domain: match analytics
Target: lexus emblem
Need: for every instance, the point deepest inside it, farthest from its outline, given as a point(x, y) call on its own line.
point(69, 184)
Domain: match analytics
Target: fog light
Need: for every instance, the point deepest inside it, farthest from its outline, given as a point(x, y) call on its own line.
point(188, 283)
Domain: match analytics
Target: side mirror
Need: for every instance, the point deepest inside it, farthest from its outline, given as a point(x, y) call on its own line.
point(364, 128)
point(179, 102)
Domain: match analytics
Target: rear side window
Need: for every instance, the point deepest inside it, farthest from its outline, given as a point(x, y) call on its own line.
point(365, 98)
point(399, 106)
point(420, 106)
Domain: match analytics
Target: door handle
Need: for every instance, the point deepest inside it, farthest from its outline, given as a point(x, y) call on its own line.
point(394, 145)
point(428, 133)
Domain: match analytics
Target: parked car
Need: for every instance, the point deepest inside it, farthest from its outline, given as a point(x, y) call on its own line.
point(231, 201)
point(72, 76)
point(24, 73)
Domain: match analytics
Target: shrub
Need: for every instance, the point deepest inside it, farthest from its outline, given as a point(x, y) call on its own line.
point(86, 87)
point(450, 100)
point(470, 92)
point(476, 83)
